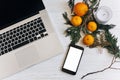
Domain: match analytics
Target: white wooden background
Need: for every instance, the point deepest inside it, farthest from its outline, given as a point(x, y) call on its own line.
point(92, 60)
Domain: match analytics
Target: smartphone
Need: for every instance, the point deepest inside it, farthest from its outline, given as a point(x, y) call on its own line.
point(72, 60)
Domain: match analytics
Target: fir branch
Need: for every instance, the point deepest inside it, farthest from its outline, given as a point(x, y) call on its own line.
point(112, 48)
point(94, 2)
point(84, 30)
point(65, 16)
point(74, 33)
point(85, 1)
point(71, 4)
point(105, 27)
point(97, 4)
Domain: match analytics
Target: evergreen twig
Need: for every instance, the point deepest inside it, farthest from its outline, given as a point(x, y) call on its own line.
point(71, 4)
point(65, 16)
point(112, 48)
point(74, 33)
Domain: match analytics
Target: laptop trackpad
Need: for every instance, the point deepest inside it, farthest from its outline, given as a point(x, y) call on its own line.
point(27, 56)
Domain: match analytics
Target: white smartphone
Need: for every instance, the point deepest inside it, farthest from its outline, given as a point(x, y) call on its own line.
point(72, 59)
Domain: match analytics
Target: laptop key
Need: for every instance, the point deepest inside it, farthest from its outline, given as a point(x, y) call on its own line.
point(6, 51)
point(42, 35)
point(19, 45)
point(10, 49)
point(2, 52)
point(46, 34)
point(40, 32)
point(32, 39)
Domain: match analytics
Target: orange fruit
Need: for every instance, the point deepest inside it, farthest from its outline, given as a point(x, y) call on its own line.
point(76, 21)
point(80, 9)
point(92, 26)
point(88, 40)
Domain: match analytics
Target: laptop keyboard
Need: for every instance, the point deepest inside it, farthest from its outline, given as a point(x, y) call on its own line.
point(22, 35)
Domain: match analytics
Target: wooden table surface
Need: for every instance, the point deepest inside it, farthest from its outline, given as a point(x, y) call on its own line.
point(92, 59)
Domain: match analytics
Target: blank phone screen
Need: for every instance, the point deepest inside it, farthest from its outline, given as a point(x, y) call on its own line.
point(72, 59)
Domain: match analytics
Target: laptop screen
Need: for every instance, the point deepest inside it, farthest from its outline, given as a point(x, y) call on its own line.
point(12, 11)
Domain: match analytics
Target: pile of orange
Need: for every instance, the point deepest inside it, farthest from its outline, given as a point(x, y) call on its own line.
point(80, 9)
point(89, 39)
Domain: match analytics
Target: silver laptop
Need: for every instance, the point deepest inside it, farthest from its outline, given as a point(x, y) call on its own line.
point(26, 35)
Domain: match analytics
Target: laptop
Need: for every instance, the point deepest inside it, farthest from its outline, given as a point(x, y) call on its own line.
point(26, 35)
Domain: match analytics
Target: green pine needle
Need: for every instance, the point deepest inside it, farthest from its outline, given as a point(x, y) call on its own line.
point(105, 27)
point(112, 48)
point(71, 4)
point(74, 33)
point(65, 16)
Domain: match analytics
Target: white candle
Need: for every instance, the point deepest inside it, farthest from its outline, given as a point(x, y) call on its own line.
point(103, 14)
